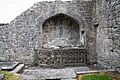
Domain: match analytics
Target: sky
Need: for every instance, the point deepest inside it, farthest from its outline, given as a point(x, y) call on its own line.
point(9, 9)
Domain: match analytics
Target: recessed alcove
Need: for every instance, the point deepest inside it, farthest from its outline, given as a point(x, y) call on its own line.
point(62, 41)
point(60, 31)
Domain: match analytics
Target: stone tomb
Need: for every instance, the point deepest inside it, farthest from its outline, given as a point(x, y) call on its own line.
point(63, 43)
point(8, 65)
point(57, 58)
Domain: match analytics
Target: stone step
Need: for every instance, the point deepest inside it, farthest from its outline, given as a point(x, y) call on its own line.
point(18, 68)
point(9, 66)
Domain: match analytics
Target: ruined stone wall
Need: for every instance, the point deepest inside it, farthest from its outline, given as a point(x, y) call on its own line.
point(108, 33)
point(114, 32)
point(4, 42)
point(25, 31)
point(91, 30)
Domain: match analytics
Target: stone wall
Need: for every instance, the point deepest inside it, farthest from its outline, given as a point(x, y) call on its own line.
point(4, 42)
point(114, 32)
point(25, 31)
point(108, 33)
point(100, 21)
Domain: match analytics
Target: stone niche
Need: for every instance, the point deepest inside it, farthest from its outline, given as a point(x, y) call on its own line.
point(61, 31)
point(62, 43)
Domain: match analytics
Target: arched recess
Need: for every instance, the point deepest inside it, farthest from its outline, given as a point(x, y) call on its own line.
point(40, 20)
point(63, 56)
point(61, 30)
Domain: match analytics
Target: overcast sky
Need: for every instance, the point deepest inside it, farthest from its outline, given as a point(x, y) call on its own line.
point(9, 9)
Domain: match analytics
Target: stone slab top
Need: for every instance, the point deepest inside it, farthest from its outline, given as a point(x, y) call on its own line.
point(81, 69)
point(50, 73)
point(8, 65)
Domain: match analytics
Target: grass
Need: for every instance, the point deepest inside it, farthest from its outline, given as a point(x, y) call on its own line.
point(96, 77)
point(9, 76)
point(99, 76)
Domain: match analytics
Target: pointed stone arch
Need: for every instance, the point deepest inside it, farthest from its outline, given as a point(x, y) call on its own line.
point(74, 16)
point(60, 30)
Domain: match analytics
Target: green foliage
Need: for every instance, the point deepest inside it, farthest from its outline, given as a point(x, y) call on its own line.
point(8, 75)
point(96, 77)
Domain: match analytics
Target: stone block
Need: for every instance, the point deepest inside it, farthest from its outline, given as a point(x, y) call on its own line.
point(8, 65)
point(49, 74)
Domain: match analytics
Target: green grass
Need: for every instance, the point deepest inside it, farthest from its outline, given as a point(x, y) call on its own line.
point(96, 77)
point(8, 75)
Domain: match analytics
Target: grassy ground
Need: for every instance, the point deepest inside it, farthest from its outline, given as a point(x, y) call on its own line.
point(96, 77)
point(100, 76)
point(9, 76)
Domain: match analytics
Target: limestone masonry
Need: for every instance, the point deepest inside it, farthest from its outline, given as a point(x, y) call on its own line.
point(64, 33)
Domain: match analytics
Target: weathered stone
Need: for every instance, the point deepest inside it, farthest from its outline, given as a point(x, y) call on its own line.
point(43, 26)
point(57, 58)
point(81, 69)
point(8, 65)
point(49, 74)
point(49, 24)
point(108, 38)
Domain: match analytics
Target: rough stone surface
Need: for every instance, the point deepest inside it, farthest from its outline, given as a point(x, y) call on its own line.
point(8, 65)
point(4, 42)
point(56, 58)
point(29, 30)
point(69, 73)
point(48, 74)
point(108, 33)
point(81, 69)
point(98, 22)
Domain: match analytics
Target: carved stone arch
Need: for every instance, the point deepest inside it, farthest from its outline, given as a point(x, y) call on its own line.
point(76, 17)
point(61, 30)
